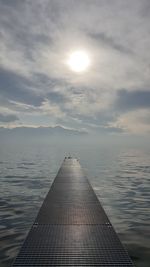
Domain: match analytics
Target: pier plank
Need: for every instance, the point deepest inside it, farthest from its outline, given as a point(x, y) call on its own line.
point(72, 228)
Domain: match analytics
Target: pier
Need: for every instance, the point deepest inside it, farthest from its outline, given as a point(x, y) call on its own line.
point(72, 228)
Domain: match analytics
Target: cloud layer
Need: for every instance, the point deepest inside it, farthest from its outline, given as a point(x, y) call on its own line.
point(38, 88)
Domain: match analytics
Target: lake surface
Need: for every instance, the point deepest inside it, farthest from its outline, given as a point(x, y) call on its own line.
point(119, 175)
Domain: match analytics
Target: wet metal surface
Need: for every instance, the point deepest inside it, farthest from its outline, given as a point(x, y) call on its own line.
point(71, 228)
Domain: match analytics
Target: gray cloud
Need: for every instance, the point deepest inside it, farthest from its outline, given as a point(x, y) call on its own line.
point(130, 100)
point(110, 42)
point(36, 39)
point(57, 97)
point(8, 118)
point(17, 88)
point(110, 130)
point(9, 3)
point(101, 119)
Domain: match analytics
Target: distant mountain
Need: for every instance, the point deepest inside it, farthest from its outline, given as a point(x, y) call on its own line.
point(39, 132)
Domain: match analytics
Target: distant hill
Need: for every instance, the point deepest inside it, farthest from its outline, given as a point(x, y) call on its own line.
point(39, 132)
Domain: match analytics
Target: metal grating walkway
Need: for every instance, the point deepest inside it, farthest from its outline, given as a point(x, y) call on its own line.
point(71, 228)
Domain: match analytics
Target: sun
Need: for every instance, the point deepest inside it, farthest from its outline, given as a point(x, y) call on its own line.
point(79, 61)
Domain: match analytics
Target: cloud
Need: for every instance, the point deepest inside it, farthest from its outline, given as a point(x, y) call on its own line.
point(17, 88)
point(135, 122)
point(57, 97)
point(61, 27)
point(36, 40)
point(8, 118)
point(130, 100)
point(110, 42)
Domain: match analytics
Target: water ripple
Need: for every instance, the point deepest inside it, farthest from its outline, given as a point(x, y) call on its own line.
point(120, 180)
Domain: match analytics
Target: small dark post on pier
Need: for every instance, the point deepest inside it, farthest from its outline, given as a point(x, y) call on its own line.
point(71, 228)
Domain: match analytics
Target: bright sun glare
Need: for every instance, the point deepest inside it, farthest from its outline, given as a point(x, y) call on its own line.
point(79, 61)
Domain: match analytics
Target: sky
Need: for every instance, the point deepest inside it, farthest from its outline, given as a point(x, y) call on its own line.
point(37, 88)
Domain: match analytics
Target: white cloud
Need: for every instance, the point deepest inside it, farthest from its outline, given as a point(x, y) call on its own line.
point(51, 109)
point(37, 37)
point(135, 122)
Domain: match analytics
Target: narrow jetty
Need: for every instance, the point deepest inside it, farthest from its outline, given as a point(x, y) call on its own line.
point(72, 228)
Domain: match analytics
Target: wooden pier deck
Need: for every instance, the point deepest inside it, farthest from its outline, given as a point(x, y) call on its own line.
point(72, 228)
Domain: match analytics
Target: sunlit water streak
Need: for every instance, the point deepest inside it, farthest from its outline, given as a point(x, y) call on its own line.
point(119, 176)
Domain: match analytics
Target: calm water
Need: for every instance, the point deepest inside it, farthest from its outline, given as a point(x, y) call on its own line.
point(120, 177)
